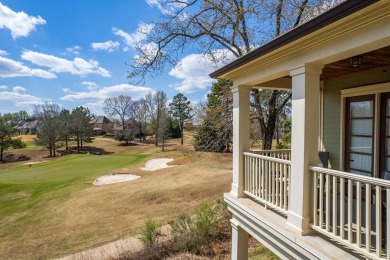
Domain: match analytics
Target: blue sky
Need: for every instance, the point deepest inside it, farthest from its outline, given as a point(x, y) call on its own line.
point(74, 53)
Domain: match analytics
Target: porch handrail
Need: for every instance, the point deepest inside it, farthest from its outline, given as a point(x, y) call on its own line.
point(278, 153)
point(271, 159)
point(353, 210)
point(352, 176)
point(267, 180)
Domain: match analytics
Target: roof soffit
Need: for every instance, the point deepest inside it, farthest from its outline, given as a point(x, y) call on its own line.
point(321, 37)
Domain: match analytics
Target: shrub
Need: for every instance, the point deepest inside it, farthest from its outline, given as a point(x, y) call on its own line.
point(124, 136)
point(149, 233)
point(192, 233)
point(17, 143)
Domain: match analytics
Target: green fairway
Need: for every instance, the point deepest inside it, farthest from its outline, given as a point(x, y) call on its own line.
point(31, 188)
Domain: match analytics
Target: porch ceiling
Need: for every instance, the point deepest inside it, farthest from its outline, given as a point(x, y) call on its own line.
point(371, 60)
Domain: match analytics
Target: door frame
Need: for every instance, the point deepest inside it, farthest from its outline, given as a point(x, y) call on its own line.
point(377, 90)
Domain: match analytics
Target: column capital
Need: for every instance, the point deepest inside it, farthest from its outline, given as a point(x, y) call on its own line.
point(306, 69)
point(235, 224)
point(240, 89)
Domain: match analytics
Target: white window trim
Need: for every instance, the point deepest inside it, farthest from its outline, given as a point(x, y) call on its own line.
point(376, 90)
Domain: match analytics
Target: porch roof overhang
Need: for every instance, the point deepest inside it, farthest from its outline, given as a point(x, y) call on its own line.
point(351, 28)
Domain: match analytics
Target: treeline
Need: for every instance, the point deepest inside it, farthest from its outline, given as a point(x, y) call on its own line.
point(57, 126)
point(151, 114)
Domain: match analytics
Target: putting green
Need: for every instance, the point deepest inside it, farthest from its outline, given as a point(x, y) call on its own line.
point(71, 167)
point(23, 187)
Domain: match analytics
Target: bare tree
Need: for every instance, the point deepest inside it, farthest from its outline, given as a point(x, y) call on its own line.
point(139, 112)
point(156, 104)
point(223, 30)
point(48, 131)
point(118, 106)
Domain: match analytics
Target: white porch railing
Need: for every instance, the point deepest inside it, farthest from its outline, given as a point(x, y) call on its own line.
point(284, 154)
point(267, 178)
point(353, 210)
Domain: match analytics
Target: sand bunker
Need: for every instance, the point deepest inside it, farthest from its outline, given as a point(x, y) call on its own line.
point(114, 178)
point(34, 162)
point(157, 164)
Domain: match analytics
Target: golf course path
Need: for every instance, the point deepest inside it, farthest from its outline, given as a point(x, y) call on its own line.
point(115, 249)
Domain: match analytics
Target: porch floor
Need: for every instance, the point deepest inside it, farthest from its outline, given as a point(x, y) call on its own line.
point(271, 229)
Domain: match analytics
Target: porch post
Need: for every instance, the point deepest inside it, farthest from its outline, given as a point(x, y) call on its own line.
point(239, 242)
point(241, 128)
point(304, 143)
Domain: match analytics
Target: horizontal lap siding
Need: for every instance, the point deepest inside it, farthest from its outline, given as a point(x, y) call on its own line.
point(332, 107)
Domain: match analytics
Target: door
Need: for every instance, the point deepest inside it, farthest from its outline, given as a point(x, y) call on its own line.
point(360, 121)
point(384, 154)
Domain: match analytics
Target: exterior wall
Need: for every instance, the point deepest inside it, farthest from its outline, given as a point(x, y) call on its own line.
point(332, 107)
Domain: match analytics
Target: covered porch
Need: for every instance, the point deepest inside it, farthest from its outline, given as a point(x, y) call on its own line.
point(284, 198)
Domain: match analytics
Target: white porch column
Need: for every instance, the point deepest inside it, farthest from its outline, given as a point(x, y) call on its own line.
point(304, 143)
point(241, 126)
point(239, 242)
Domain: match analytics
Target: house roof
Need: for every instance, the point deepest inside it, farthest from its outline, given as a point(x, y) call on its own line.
point(340, 11)
point(102, 120)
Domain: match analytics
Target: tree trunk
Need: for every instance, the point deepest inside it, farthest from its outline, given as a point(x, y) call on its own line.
point(78, 143)
point(181, 133)
point(140, 131)
point(1, 152)
point(66, 144)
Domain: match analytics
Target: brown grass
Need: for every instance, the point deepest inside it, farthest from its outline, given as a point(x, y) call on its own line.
point(97, 215)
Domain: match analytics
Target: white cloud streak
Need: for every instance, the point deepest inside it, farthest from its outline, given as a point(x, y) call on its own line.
point(78, 66)
point(89, 85)
point(194, 71)
point(19, 23)
point(19, 89)
point(163, 6)
point(132, 39)
point(135, 92)
point(10, 69)
point(21, 99)
point(3, 53)
point(109, 46)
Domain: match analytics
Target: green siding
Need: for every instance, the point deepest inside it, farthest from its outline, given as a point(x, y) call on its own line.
point(332, 107)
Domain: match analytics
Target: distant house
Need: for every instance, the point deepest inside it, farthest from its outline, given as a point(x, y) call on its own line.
point(337, 67)
point(102, 124)
point(130, 124)
point(26, 127)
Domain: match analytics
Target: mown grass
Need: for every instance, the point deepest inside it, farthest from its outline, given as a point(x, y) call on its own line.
point(27, 191)
point(52, 209)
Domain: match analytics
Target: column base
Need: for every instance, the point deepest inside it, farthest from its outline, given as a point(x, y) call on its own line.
point(237, 191)
point(299, 223)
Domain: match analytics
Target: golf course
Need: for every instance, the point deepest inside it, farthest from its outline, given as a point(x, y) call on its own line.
point(50, 208)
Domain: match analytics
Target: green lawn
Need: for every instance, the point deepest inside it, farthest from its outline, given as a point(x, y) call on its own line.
point(24, 190)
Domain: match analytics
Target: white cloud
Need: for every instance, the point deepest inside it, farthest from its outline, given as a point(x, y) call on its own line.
point(74, 50)
point(168, 8)
point(10, 68)
point(135, 38)
point(135, 92)
point(3, 87)
point(21, 99)
point(3, 53)
point(89, 85)
point(194, 71)
point(109, 46)
point(19, 23)
point(78, 66)
point(19, 89)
